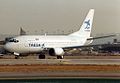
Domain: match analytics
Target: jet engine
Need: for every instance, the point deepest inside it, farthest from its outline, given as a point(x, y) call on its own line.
point(56, 51)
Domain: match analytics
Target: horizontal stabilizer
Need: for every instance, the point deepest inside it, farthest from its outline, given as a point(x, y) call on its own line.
point(92, 38)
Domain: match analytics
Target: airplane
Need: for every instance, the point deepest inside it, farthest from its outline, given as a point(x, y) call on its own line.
point(53, 45)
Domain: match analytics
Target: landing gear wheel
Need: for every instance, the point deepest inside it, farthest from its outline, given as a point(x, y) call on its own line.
point(41, 56)
point(60, 57)
point(16, 57)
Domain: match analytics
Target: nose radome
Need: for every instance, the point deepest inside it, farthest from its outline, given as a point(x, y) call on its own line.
point(7, 46)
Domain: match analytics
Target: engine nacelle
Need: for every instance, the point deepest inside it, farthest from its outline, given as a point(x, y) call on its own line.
point(56, 51)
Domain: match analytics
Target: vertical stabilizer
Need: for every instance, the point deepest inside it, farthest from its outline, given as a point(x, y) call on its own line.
point(86, 27)
point(22, 32)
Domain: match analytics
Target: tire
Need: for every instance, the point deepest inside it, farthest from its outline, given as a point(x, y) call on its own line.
point(60, 57)
point(41, 56)
point(16, 57)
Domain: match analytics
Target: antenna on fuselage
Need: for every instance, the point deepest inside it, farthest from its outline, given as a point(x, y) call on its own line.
point(45, 34)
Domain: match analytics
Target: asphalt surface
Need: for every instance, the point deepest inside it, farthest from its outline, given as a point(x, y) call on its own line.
point(59, 74)
point(60, 61)
point(40, 75)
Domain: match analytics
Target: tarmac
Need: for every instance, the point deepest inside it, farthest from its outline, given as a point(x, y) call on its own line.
point(51, 75)
point(100, 67)
point(60, 61)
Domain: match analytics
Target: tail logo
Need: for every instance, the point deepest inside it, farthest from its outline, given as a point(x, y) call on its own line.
point(87, 24)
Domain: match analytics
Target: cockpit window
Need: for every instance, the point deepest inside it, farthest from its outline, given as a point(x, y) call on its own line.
point(13, 40)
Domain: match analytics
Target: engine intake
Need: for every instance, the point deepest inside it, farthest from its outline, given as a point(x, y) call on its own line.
point(56, 51)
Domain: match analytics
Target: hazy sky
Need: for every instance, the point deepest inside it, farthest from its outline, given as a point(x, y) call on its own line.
point(53, 15)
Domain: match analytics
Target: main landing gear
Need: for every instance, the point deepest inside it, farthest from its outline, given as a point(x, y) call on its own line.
point(60, 57)
point(41, 56)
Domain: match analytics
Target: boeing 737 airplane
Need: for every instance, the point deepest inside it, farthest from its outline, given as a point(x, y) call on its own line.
point(55, 45)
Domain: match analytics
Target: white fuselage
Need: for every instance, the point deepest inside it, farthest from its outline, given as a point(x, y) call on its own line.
point(28, 44)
